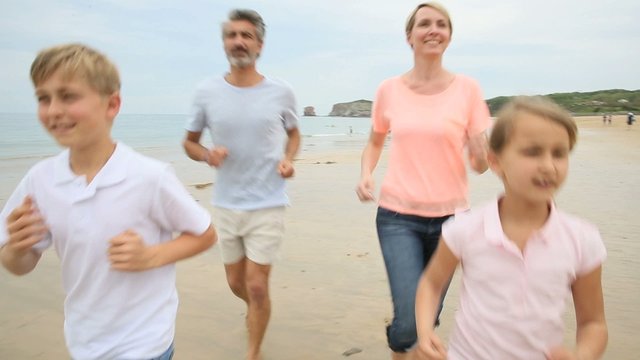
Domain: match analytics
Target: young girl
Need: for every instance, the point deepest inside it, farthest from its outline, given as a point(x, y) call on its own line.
point(520, 255)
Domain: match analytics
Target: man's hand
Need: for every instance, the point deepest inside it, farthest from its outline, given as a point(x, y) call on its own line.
point(215, 157)
point(285, 168)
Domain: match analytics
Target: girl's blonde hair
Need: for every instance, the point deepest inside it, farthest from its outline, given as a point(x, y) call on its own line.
point(77, 61)
point(536, 105)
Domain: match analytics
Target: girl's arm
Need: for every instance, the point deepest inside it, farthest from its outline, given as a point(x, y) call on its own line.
point(432, 282)
point(591, 332)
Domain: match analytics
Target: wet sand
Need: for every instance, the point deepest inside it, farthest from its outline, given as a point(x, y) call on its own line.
point(329, 289)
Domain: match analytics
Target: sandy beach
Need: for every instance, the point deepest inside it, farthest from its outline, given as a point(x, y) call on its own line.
point(329, 289)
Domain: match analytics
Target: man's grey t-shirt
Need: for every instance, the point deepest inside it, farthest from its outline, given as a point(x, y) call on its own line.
point(252, 123)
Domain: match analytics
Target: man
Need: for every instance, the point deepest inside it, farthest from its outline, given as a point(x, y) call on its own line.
point(251, 119)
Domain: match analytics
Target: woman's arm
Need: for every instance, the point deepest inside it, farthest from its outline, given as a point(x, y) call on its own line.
point(477, 148)
point(368, 162)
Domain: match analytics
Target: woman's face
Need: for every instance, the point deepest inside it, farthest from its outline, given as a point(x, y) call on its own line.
point(431, 32)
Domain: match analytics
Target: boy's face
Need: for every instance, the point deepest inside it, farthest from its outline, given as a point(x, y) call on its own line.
point(75, 114)
point(534, 162)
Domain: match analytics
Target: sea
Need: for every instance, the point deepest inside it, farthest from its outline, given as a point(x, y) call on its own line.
point(22, 136)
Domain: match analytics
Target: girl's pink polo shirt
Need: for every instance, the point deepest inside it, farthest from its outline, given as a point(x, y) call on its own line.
point(512, 302)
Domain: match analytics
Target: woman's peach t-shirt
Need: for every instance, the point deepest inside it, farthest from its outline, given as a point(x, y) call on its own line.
point(426, 174)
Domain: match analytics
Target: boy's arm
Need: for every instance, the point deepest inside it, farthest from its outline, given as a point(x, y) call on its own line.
point(591, 332)
point(432, 282)
point(25, 227)
point(129, 253)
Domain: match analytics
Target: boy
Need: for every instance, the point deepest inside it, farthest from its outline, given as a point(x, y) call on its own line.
point(109, 212)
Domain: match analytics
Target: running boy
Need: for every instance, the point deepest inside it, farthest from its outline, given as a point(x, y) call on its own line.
point(109, 212)
point(520, 255)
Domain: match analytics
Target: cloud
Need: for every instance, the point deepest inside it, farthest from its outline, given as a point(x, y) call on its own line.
point(329, 50)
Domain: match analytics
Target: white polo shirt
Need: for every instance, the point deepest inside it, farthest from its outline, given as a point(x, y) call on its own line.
point(512, 302)
point(111, 314)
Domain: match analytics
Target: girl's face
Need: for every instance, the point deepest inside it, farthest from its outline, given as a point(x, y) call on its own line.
point(535, 160)
point(431, 32)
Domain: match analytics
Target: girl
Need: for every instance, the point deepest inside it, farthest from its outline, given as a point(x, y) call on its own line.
point(520, 255)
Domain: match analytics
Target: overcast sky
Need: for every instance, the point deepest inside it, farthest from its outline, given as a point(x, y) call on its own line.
point(330, 51)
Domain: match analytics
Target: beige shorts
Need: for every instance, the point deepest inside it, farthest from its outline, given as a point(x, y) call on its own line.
point(256, 234)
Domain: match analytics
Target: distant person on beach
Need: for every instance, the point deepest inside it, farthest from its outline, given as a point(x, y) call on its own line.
point(109, 212)
point(433, 115)
point(604, 118)
point(631, 118)
point(521, 257)
point(254, 127)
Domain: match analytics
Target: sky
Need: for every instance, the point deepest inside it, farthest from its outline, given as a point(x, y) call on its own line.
point(329, 51)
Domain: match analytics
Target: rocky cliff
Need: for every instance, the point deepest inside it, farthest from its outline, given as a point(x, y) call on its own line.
point(358, 108)
point(309, 111)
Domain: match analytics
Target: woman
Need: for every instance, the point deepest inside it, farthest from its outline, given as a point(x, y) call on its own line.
point(433, 115)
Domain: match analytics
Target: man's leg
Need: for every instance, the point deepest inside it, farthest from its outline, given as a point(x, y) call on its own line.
point(257, 290)
point(236, 278)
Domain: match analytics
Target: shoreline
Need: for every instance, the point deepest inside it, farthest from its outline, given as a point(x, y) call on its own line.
point(329, 289)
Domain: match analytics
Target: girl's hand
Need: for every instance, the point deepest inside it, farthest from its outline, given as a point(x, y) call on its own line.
point(431, 348)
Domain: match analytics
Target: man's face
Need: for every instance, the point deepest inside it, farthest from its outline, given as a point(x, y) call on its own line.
point(241, 43)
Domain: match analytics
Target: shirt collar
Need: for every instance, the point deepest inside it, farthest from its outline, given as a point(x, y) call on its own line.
point(493, 225)
point(111, 173)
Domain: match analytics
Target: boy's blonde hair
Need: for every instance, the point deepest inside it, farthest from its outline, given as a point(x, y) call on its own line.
point(77, 61)
point(411, 20)
point(535, 105)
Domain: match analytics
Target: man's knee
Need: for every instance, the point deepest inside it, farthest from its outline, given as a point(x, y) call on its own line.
point(257, 290)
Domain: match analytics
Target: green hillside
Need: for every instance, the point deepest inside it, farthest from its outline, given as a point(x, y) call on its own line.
point(616, 101)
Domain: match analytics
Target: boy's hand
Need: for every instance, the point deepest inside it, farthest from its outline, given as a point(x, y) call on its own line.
point(26, 228)
point(127, 252)
point(431, 349)
point(285, 168)
point(215, 157)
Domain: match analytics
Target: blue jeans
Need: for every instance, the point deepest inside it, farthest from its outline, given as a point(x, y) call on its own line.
point(407, 243)
point(167, 355)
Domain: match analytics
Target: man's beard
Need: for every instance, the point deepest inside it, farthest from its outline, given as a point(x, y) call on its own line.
point(242, 61)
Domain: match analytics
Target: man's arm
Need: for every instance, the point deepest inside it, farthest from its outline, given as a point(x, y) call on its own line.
point(197, 152)
point(285, 167)
point(192, 146)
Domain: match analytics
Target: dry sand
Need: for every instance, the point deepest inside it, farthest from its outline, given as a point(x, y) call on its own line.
point(329, 289)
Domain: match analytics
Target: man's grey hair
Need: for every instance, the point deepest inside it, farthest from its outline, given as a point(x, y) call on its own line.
point(251, 16)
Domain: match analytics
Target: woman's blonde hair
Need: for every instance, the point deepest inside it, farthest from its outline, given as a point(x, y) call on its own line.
point(77, 61)
point(535, 105)
point(411, 20)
